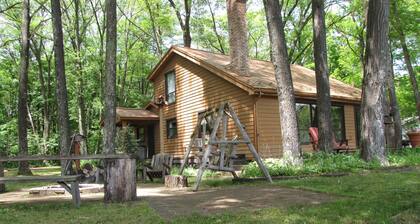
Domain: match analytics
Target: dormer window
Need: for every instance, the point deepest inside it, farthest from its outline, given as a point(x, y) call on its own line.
point(170, 87)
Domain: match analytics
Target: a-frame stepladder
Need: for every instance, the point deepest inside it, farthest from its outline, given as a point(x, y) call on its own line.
point(224, 112)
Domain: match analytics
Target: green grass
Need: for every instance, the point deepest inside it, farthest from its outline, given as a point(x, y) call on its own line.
point(44, 171)
point(90, 212)
point(373, 196)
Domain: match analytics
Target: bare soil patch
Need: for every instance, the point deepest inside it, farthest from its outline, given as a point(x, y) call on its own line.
point(169, 203)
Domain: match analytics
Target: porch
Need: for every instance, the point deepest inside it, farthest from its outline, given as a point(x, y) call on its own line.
point(143, 125)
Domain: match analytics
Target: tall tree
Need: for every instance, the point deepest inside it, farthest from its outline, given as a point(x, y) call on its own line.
point(286, 97)
point(407, 58)
point(109, 130)
point(77, 39)
point(157, 36)
point(23, 89)
point(396, 138)
point(238, 35)
point(322, 76)
point(110, 77)
point(184, 22)
point(62, 100)
point(37, 50)
point(375, 72)
point(216, 33)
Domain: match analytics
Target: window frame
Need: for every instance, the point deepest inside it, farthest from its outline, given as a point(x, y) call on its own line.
point(175, 135)
point(313, 118)
point(166, 87)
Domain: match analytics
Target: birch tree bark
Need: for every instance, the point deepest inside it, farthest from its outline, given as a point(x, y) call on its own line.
point(62, 100)
point(322, 76)
point(288, 120)
point(375, 72)
point(23, 90)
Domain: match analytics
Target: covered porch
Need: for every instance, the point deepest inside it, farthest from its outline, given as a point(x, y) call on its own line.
point(143, 124)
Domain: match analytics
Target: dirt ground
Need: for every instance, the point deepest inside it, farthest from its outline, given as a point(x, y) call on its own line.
point(171, 203)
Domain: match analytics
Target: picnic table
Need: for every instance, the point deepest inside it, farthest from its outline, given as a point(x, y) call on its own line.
point(69, 182)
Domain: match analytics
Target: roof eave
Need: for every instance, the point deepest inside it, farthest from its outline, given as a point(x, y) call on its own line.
point(310, 96)
point(224, 75)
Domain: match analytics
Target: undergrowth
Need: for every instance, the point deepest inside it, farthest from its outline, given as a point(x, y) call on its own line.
point(321, 163)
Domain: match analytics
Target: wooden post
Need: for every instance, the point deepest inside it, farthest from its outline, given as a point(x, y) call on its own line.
point(120, 180)
point(2, 186)
point(75, 193)
point(203, 166)
point(190, 145)
point(250, 145)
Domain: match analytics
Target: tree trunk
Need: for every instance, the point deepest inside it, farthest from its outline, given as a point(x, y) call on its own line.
point(394, 107)
point(2, 186)
point(375, 69)
point(219, 38)
point(122, 99)
point(37, 51)
point(79, 66)
point(62, 102)
point(120, 180)
point(23, 90)
point(238, 35)
point(288, 121)
point(322, 76)
point(407, 58)
point(176, 181)
point(184, 23)
point(156, 36)
point(110, 76)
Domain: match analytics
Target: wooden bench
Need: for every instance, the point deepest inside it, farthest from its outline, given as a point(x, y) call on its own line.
point(161, 165)
point(64, 181)
point(69, 182)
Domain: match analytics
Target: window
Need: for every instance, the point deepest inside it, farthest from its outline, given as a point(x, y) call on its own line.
point(171, 129)
point(170, 87)
point(206, 124)
point(307, 117)
point(337, 118)
point(304, 120)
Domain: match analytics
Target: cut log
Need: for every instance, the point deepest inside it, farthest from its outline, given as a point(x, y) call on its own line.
point(176, 181)
point(120, 180)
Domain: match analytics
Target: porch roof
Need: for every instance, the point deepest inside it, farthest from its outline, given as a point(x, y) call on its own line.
point(135, 114)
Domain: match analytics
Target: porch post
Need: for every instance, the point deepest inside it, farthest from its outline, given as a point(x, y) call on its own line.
point(161, 134)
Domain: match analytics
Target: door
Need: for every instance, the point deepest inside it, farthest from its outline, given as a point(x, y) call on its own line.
point(150, 141)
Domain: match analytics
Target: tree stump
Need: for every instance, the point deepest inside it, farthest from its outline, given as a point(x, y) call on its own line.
point(120, 180)
point(2, 186)
point(176, 181)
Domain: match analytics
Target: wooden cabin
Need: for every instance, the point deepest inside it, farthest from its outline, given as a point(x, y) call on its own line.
point(188, 82)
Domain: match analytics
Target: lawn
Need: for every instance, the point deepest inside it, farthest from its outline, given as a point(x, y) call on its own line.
point(364, 197)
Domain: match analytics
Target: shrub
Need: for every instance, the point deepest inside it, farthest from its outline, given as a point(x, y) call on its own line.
point(321, 163)
point(192, 172)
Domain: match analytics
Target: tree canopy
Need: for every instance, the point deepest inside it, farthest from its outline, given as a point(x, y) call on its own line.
point(145, 30)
